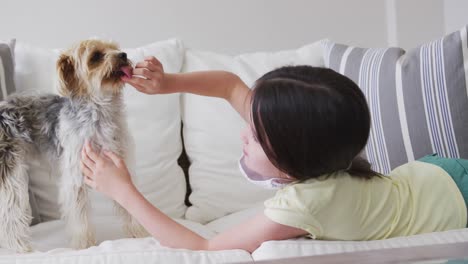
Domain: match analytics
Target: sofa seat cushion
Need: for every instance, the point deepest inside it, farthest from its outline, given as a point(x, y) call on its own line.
point(309, 247)
point(50, 241)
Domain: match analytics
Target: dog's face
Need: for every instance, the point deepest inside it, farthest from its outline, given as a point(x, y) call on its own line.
point(92, 68)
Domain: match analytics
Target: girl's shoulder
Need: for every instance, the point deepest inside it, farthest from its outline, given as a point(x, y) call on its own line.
point(317, 192)
point(419, 168)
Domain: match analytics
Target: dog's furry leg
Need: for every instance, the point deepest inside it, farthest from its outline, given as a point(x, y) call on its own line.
point(131, 226)
point(75, 212)
point(15, 210)
point(75, 208)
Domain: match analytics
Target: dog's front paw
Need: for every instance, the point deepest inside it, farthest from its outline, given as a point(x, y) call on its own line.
point(18, 245)
point(24, 247)
point(83, 241)
point(15, 235)
point(135, 230)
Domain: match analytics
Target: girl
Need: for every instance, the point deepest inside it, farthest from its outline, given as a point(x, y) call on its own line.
point(306, 128)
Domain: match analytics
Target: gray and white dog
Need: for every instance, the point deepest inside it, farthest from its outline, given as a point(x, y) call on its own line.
point(90, 107)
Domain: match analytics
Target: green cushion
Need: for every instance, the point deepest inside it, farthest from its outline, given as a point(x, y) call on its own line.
point(457, 168)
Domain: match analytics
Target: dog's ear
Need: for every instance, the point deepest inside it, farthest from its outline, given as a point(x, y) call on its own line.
point(67, 79)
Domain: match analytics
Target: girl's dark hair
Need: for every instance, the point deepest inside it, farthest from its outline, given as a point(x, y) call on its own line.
point(311, 121)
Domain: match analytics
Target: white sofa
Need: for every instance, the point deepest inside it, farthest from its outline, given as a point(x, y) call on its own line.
point(219, 197)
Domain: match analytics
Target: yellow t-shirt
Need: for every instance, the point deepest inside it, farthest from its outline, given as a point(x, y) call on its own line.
point(417, 198)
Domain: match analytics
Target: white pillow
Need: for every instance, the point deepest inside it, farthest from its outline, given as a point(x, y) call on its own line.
point(212, 132)
point(153, 120)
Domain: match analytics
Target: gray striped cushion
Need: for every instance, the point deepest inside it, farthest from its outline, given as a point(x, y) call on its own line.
point(418, 99)
point(7, 85)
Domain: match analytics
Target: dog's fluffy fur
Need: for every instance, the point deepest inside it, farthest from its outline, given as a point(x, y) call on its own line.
point(90, 108)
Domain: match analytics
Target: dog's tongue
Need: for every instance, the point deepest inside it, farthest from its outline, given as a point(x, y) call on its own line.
point(127, 70)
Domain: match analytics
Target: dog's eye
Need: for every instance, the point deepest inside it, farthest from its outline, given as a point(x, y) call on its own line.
point(97, 56)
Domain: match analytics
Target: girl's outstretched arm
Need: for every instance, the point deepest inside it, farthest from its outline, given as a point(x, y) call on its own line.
point(220, 84)
point(107, 173)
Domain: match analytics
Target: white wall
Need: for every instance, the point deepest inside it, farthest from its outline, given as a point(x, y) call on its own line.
point(414, 22)
point(456, 14)
point(232, 26)
point(219, 25)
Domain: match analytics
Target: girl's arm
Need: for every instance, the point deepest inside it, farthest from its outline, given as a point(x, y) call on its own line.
point(220, 84)
point(247, 236)
point(108, 174)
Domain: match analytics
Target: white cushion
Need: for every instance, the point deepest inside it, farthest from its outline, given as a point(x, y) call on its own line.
point(50, 241)
point(52, 235)
point(308, 247)
point(212, 128)
point(154, 123)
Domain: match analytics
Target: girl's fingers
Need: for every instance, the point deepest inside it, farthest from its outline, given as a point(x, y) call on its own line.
point(116, 159)
point(153, 60)
point(134, 83)
point(90, 182)
point(86, 171)
point(145, 73)
point(90, 152)
point(87, 161)
point(148, 65)
point(138, 82)
point(141, 84)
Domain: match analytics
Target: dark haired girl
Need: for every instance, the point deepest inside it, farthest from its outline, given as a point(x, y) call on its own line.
point(306, 128)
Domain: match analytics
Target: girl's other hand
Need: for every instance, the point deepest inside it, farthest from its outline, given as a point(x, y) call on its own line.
point(105, 172)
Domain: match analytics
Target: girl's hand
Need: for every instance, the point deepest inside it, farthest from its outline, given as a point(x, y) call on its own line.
point(152, 71)
point(105, 172)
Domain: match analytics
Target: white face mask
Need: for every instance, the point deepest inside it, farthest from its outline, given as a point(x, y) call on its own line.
point(260, 180)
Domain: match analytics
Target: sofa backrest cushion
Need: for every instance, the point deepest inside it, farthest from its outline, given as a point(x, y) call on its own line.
point(418, 99)
point(212, 132)
point(154, 124)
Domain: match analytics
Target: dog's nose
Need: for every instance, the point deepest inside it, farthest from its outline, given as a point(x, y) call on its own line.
point(122, 55)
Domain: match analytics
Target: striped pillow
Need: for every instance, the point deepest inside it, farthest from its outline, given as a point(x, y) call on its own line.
point(7, 85)
point(418, 99)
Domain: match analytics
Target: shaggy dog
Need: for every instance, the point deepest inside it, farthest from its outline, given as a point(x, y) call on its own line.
point(90, 108)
